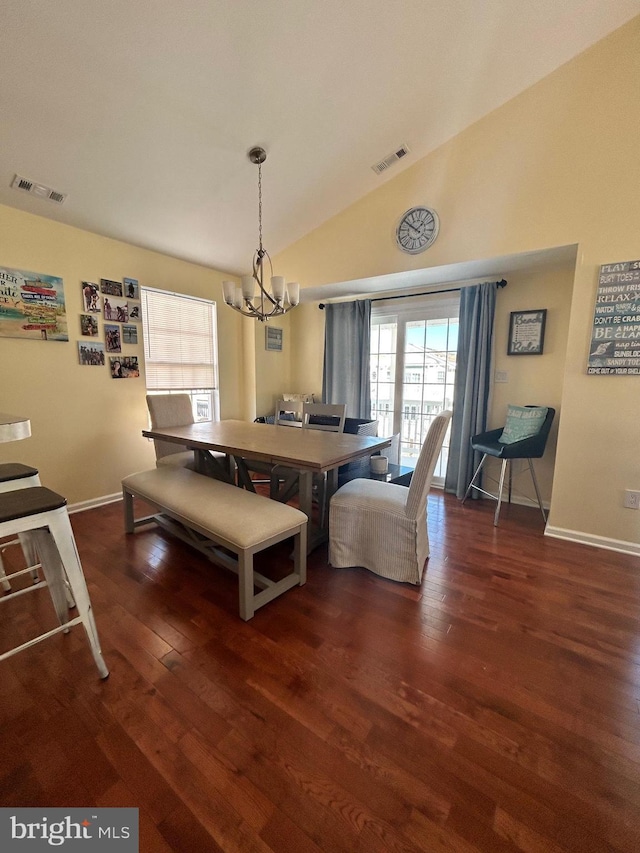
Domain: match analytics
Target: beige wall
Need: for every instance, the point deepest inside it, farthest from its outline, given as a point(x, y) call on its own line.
point(85, 425)
point(273, 369)
point(533, 380)
point(557, 165)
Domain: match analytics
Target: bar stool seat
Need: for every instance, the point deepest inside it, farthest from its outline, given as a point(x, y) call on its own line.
point(14, 472)
point(43, 514)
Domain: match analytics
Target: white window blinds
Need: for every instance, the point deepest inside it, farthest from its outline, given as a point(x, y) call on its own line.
point(180, 344)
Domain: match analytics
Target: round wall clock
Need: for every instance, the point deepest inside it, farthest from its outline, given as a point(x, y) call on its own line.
point(417, 229)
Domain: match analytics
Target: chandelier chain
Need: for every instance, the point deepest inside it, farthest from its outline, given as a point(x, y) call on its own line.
point(260, 205)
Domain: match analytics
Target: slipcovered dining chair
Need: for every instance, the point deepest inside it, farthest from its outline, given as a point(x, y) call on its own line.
point(524, 436)
point(383, 526)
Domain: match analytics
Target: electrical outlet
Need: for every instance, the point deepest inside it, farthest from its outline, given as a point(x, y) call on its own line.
point(632, 499)
point(501, 376)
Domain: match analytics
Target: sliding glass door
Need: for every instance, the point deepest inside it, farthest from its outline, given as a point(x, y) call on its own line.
point(413, 362)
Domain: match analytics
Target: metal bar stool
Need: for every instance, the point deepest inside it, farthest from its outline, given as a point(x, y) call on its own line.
point(43, 514)
point(14, 475)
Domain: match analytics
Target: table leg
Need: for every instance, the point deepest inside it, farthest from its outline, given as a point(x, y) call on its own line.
point(305, 501)
point(305, 493)
point(244, 477)
point(210, 466)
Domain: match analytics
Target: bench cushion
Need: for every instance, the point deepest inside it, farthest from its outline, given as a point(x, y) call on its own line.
point(239, 516)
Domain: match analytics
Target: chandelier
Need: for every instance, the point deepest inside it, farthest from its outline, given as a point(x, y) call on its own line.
point(242, 297)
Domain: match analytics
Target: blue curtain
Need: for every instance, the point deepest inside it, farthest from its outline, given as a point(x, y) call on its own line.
point(347, 338)
point(472, 382)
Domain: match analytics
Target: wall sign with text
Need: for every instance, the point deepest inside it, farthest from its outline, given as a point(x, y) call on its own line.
point(526, 332)
point(615, 339)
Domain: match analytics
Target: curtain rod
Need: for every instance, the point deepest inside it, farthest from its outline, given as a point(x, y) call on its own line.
point(501, 283)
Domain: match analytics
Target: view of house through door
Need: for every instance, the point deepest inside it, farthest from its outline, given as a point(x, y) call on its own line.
point(414, 346)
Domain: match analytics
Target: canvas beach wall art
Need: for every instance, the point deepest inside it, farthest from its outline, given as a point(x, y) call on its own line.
point(32, 306)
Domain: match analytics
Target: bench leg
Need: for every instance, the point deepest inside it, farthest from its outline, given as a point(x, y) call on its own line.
point(300, 554)
point(127, 505)
point(245, 585)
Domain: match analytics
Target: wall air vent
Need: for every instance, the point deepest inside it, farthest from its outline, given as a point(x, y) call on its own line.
point(398, 154)
point(39, 190)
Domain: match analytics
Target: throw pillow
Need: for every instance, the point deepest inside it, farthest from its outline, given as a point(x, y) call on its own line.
point(522, 422)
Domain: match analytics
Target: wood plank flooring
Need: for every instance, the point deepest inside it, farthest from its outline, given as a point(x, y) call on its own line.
point(494, 708)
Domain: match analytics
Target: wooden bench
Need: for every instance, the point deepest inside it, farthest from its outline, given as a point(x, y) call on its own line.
point(211, 515)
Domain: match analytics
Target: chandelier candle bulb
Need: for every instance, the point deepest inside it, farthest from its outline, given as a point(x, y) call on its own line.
point(277, 287)
point(248, 287)
point(229, 292)
point(293, 289)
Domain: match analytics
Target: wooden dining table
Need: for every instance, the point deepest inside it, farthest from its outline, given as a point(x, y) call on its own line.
point(305, 451)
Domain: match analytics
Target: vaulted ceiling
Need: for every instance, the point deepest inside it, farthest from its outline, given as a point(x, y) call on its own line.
point(142, 111)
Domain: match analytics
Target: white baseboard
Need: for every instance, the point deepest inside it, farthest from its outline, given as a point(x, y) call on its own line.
point(94, 503)
point(595, 541)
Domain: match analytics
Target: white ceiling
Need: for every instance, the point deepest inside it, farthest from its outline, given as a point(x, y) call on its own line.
point(143, 110)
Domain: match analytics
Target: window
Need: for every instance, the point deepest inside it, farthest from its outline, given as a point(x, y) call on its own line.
point(414, 346)
point(181, 348)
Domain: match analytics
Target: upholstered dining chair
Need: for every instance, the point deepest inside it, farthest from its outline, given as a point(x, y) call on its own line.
point(287, 413)
point(329, 417)
point(510, 442)
point(383, 526)
point(171, 410)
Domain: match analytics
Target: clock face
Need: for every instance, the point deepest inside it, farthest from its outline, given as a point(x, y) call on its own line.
point(417, 230)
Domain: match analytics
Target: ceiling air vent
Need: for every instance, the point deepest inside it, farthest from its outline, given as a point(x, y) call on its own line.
point(36, 189)
point(398, 154)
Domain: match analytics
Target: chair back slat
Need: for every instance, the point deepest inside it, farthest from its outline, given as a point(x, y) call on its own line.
point(326, 416)
point(288, 413)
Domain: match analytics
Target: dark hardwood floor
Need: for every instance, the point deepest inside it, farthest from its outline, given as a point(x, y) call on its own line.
point(495, 708)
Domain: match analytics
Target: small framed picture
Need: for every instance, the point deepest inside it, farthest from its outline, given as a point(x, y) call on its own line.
point(131, 289)
point(91, 354)
point(129, 334)
point(273, 338)
point(124, 367)
point(88, 325)
point(91, 297)
point(112, 338)
point(526, 332)
point(134, 311)
point(111, 288)
point(115, 309)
